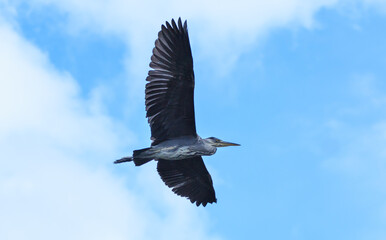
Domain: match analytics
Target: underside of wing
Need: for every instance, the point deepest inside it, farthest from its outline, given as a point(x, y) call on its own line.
point(188, 178)
point(170, 87)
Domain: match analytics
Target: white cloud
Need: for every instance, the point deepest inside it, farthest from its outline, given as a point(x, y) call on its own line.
point(220, 30)
point(56, 149)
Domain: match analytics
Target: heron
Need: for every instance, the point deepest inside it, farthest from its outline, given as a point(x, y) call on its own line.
point(169, 100)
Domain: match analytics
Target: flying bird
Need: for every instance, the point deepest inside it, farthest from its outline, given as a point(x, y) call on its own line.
point(169, 104)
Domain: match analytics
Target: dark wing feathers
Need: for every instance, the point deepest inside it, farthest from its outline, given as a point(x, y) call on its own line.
point(170, 87)
point(188, 178)
point(170, 111)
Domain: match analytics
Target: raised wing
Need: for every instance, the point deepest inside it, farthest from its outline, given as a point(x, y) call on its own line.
point(188, 178)
point(170, 91)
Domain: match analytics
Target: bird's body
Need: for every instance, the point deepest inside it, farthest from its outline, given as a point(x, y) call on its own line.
point(179, 149)
point(170, 112)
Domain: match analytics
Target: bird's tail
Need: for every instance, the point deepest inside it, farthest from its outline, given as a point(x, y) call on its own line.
point(138, 160)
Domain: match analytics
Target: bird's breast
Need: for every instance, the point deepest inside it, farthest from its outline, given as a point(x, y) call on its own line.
point(175, 153)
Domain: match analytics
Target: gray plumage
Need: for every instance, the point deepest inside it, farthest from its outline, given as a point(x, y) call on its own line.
point(170, 111)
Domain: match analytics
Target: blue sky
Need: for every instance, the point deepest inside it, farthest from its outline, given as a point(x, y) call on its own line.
point(299, 84)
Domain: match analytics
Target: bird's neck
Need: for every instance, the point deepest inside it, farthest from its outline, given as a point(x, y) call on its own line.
point(208, 146)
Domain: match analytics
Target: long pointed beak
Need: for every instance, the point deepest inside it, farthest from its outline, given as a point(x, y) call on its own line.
point(226, 144)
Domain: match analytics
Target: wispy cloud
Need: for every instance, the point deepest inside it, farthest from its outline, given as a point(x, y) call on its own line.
point(361, 140)
point(358, 133)
point(379, 4)
point(223, 30)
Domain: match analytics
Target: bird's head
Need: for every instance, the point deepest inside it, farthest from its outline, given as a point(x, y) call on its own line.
point(215, 142)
